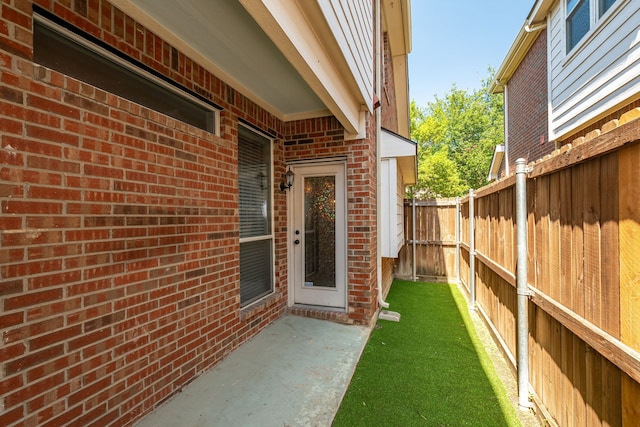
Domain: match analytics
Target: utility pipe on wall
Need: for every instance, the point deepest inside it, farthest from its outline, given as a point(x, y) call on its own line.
point(505, 102)
point(522, 285)
point(378, 29)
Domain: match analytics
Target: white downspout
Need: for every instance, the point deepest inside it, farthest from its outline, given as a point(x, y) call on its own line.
point(378, 92)
point(505, 98)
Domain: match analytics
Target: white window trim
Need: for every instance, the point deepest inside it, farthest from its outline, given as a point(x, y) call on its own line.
point(596, 25)
point(270, 236)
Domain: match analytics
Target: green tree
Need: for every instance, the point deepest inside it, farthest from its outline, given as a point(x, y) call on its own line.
point(465, 126)
point(438, 176)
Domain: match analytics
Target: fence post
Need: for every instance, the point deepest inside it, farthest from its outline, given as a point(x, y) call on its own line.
point(472, 252)
point(522, 285)
point(458, 238)
point(413, 238)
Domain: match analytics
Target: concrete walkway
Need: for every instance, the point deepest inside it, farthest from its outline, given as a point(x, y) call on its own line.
point(293, 373)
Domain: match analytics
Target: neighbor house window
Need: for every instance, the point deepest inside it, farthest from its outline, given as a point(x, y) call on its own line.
point(603, 6)
point(578, 21)
point(71, 52)
point(256, 235)
point(581, 16)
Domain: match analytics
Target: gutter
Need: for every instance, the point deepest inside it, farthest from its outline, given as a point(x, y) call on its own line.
point(534, 28)
point(536, 21)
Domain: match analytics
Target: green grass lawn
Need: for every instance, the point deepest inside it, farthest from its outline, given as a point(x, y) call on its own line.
point(430, 369)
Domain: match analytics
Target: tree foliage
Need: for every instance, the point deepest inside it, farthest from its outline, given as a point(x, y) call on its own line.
point(438, 176)
point(456, 136)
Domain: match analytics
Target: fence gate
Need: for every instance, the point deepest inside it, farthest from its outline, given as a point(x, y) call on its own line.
point(434, 241)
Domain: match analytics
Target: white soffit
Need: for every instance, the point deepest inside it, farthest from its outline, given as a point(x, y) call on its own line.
point(224, 38)
point(300, 33)
point(404, 150)
point(498, 155)
point(394, 145)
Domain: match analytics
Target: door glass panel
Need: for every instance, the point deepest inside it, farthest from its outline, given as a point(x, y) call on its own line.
point(320, 231)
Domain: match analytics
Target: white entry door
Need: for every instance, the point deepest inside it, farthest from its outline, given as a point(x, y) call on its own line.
point(318, 235)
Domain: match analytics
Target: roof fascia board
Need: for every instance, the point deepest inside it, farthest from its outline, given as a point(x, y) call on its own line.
point(397, 23)
point(521, 45)
point(394, 145)
point(496, 162)
point(401, 82)
point(404, 151)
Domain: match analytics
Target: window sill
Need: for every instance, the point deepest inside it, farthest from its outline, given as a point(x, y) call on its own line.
point(258, 306)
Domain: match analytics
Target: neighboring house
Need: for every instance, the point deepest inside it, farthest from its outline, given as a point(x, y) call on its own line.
point(573, 68)
point(147, 224)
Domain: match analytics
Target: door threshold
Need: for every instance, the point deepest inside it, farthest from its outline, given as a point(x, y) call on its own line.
point(333, 314)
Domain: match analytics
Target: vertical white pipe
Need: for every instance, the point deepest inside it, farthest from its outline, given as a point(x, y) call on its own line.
point(522, 286)
point(505, 98)
point(472, 252)
point(378, 30)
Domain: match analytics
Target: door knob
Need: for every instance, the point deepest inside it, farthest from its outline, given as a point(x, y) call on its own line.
point(297, 241)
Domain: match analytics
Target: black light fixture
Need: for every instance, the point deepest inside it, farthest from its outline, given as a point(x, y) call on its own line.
point(288, 180)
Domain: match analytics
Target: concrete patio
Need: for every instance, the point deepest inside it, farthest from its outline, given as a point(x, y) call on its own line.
point(294, 373)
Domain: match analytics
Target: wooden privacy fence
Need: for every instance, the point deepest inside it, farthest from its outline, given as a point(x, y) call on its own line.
point(435, 240)
point(583, 257)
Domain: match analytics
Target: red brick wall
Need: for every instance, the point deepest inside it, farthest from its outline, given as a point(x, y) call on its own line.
point(324, 138)
point(528, 133)
point(389, 111)
point(119, 233)
point(119, 275)
point(389, 117)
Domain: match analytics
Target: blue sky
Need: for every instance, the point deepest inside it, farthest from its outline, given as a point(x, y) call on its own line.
point(456, 42)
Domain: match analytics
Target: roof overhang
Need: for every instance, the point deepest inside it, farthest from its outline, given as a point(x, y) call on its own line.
point(404, 151)
point(397, 23)
point(496, 162)
point(282, 55)
point(535, 22)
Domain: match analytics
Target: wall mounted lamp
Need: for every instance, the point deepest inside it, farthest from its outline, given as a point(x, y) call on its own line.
point(288, 180)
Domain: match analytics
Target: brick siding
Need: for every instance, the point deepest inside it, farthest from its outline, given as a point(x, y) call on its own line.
point(528, 134)
point(389, 112)
point(119, 231)
point(324, 138)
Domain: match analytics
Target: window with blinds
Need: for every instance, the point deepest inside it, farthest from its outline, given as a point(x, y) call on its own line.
point(256, 238)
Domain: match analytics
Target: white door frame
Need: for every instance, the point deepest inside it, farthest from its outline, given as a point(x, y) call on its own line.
point(298, 293)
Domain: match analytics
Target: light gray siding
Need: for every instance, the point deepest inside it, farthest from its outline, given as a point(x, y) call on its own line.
point(351, 22)
point(601, 73)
